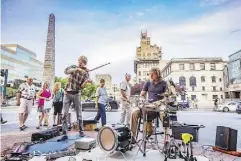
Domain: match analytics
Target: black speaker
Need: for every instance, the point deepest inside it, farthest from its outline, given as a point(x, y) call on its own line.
point(226, 138)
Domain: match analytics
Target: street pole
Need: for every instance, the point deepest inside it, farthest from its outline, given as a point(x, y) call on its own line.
point(5, 83)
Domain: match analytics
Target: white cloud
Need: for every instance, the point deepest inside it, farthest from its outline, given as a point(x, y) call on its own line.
point(139, 13)
point(208, 35)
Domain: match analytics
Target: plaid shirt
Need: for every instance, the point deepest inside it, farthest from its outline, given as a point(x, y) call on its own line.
point(76, 79)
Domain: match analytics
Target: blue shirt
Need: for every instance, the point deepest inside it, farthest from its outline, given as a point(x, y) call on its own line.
point(59, 96)
point(153, 90)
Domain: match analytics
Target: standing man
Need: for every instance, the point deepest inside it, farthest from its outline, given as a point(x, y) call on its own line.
point(1, 99)
point(125, 100)
point(27, 91)
point(78, 78)
point(101, 101)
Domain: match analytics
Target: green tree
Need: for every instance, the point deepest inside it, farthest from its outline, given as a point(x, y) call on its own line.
point(88, 91)
point(63, 81)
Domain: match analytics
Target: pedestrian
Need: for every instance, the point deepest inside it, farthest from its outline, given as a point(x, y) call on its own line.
point(101, 101)
point(125, 93)
point(78, 78)
point(27, 90)
point(2, 121)
point(43, 96)
point(58, 95)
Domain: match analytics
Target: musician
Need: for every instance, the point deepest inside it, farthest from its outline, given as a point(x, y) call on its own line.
point(125, 100)
point(155, 88)
point(78, 78)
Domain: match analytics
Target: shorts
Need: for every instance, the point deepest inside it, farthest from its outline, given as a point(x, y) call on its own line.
point(42, 110)
point(58, 106)
point(25, 106)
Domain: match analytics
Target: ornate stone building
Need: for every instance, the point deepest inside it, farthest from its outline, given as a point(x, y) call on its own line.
point(49, 62)
point(147, 56)
point(108, 81)
point(202, 77)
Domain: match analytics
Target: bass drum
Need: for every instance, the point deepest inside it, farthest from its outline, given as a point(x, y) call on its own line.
point(114, 138)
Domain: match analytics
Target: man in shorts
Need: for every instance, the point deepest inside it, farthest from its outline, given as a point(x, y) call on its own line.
point(27, 90)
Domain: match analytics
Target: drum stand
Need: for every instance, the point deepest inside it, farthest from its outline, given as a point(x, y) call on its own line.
point(146, 138)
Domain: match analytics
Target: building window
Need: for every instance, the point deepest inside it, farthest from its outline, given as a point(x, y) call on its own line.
point(182, 81)
point(183, 97)
point(193, 97)
point(139, 80)
point(202, 66)
point(221, 96)
point(213, 79)
point(221, 88)
point(214, 88)
point(149, 54)
point(215, 96)
point(220, 79)
point(192, 81)
point(192, 66)
point(204, 96)
point(139, 73)
point(181, 67)
point(212, 66)
point(203, 88)
point(202, 78)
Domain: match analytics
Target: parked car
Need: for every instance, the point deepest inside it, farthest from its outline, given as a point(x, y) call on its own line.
point(91, 105)
point(182, 105)
point(229, 106)
point(238, 109)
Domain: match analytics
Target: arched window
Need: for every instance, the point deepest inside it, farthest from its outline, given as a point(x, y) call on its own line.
point(213, 79)
point(182, 81)
point(149, 54)
point(192, 81)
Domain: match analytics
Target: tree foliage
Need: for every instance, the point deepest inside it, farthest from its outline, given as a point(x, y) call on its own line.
point(88, 91)
point(63, 81)
point(136, 89)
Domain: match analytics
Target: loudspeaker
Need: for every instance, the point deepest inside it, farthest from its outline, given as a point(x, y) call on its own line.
point(226, 138)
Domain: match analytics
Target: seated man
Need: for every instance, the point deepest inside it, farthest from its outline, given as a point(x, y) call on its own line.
point(155, 87)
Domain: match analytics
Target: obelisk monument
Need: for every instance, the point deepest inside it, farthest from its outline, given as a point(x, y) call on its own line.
point(49, 62)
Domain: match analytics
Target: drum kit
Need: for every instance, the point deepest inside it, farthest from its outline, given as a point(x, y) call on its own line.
point(118, 138)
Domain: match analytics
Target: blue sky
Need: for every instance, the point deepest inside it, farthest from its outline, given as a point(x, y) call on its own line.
point(109, 30)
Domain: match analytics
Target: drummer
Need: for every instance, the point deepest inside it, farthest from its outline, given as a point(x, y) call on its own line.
point(155, 87)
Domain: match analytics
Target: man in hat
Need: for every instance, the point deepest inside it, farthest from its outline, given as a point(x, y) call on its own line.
point(27, 90)
point(78, 78)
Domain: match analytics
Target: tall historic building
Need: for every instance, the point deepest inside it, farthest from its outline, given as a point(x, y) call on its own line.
point(49, 62)
point(108, 81)
point(147, 56)
point(21, 63)
point(202, 77)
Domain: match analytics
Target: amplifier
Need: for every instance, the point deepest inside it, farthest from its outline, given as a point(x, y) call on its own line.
point(89, 125)
point(85, 143)
point(45, 134)
point(226, 138)
point(178, 130)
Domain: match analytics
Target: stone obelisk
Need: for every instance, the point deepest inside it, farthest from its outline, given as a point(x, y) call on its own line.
point(49, 62)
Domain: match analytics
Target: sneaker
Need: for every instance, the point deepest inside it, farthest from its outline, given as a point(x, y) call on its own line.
point(4, 122)
point(81, 133)
point(24, 126)
point(65, 137)
point(21, 128)
point(97, 129)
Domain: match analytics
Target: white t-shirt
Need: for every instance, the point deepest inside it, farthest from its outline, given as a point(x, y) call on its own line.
point(126, 88)
point(102, 94)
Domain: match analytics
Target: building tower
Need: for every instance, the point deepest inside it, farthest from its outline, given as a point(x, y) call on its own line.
point(147, 56)
point(49, 62)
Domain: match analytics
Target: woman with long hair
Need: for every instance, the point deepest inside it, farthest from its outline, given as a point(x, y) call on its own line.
point(44, 95)
point(58, 95)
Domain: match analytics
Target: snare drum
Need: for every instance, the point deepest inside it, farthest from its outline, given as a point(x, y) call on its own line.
point(114, 138)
